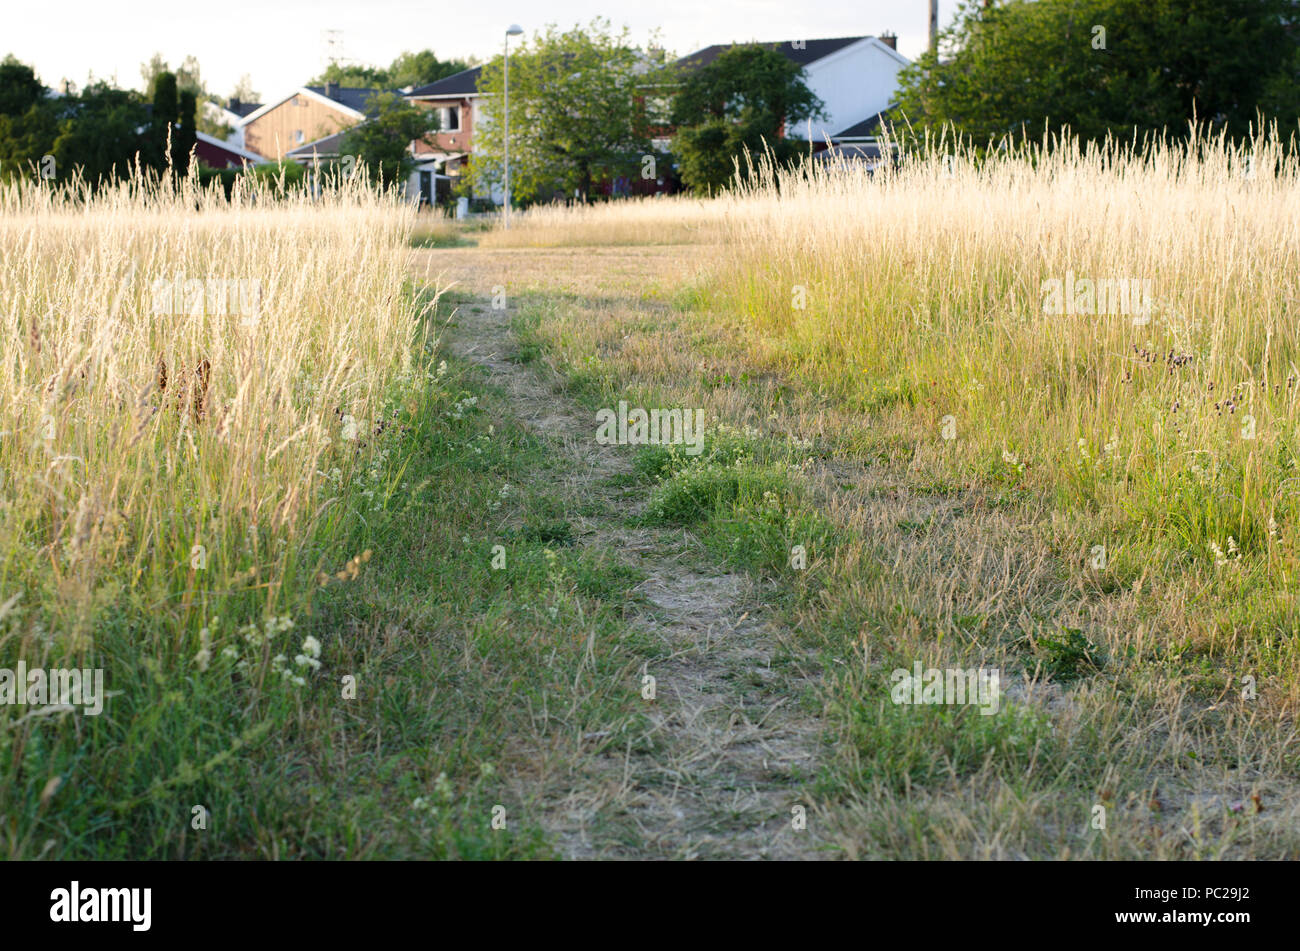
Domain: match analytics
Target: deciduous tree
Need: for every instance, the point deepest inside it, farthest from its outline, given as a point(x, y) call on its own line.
point(578, 113)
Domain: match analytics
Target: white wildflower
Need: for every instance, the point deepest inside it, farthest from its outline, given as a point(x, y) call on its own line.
point(1219, 559)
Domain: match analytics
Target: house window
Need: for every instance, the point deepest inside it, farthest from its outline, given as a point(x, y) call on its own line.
point(449, 118)
point(297, 136)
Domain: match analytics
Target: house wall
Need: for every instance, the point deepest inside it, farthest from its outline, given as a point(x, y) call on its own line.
point(273, 133)
point(854, 83)
point(213, 156)
point(459, 141)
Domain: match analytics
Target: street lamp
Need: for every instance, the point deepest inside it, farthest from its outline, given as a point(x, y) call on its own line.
point(514, 30)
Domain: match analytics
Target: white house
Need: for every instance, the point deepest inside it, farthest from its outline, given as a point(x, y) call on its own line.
point(856, 77)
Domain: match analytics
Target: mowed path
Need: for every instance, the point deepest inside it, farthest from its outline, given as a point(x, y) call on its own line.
point(729, 746)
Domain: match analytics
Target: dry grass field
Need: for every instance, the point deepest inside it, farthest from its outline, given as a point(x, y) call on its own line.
point(1099, 504)
point(365, 582)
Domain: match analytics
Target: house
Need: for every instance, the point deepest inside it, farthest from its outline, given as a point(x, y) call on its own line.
point(230, 116)
point(215, 153)
point(456, 100)
point(856, 77)
point(441, 157)
point(324, 149)
point(426, 184)
point(304, 116)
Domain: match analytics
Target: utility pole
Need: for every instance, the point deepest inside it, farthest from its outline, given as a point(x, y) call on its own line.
point(514, 30)
point(333, 41)
point(934, 27)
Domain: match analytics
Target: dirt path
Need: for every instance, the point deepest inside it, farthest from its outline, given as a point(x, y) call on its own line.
point(729, 747)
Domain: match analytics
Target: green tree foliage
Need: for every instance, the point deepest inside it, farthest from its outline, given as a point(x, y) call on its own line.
point(418, 69)
point(408, 69)
point(99, 132)
point(183, 137)
point(28, 121)
point(188, 75)
point(19, 87)
point(103, 132)
point(741, 101)
point(578, 113)
point(383, 140)
point(1107, 66)
point(165, 96)
point(189, 78)
point(172, 123)
point(244, 90)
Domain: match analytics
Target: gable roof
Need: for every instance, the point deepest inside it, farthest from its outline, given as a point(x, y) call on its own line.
point(349, 100)
point(837, 154)
point(324, 146)
point(868, 127)
point(812, 51)
point(241, 109)
point(230, 147)
point(348, 96)
point(464, 83)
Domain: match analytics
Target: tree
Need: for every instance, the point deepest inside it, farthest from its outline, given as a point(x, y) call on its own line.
point(244, 90)
point(188, 75)
point(189, 78)
point(419, 69)
point(353, 75)
point(183, 137)
point(28, 120)
point(19, 87)
point(578, 113)
point(408, 69)
point(383, 140)
point(742, 101)
point(98, 132)
point(1106, 67)
point(101, 134)
point(166, 106)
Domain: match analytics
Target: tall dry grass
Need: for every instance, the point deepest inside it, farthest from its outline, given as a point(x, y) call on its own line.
point(1105, 501)
point(163, 464)
point(922, 293)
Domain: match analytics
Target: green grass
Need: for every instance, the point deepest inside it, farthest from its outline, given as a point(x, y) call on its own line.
point(970, 559)
point(435, 671)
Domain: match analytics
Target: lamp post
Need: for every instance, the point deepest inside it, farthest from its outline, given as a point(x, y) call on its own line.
point(514, 30)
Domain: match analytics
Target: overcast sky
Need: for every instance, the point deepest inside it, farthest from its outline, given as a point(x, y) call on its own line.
point(282, 43)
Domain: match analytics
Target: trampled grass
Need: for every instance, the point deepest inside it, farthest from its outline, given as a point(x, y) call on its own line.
point(636, 221)
point(1097, 500)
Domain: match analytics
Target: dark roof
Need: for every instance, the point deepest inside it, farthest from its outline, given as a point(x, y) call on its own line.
point(464, 83)
point(848, 153)
point(812, 51)
point(244, 108)
point(329, 145)
point(351, 97)
point(867, 127)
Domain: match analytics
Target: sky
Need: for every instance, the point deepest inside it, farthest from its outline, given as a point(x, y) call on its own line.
point(283, 43)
